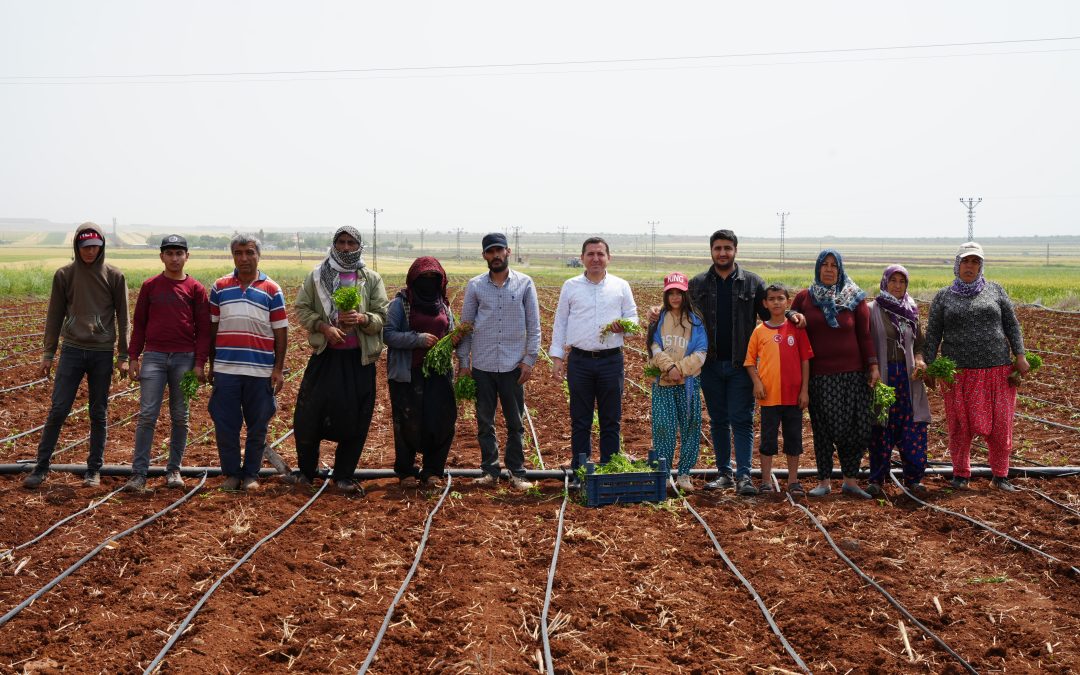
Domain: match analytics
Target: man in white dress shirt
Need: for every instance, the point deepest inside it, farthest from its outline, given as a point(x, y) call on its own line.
point(586, 348)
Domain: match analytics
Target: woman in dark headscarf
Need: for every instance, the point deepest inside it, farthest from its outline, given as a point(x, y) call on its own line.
point(424, 408)
point(337, 394)
point(898, 342)
point(974, 324)
point(838, 325)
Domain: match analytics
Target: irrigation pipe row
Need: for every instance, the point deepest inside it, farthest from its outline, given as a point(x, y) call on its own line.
point(98, 549)
point(91, 507)
point(865, 577)
point(1047, 422)
point(548, 666)
point(745, 582)
point(210, 591)
point(73, 412)
point(24, 386)
point(987, 527)
point(1038, 400)
point(1047, 498)
point(404, 584)
point(536, 441)
point(21, 365)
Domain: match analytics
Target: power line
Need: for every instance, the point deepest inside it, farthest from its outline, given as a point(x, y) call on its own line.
point(374, 238)
point(970, 205)
point(539, 64)
point(783, 224)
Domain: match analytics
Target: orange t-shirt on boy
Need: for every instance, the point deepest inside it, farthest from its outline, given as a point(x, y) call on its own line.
point(778, 353)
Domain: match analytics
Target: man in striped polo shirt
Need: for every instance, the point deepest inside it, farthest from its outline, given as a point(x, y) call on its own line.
point(248, 332)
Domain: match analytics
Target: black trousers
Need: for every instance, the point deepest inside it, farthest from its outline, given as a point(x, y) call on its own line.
point(335, 403)
point(425, 415)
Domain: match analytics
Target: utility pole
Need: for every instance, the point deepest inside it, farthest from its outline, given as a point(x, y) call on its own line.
point(422, 231)
point(653, 224)
point(298, 251)
point(562, 241)
point(517, 238)
point(970, 205)
point(783, 215)
point(459, 231)
point(375, 237)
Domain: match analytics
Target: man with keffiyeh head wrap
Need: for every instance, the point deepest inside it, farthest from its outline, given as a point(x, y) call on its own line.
point(898, 342)
point(337, 395)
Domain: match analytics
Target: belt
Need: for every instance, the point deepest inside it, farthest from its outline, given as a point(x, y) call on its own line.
point(603, 353)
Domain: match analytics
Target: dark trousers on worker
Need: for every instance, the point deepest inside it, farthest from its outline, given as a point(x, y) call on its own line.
point(238, 400)
point(493, 388)
point(595, 380)
point(425, 414)
point(74, 363)
point(729, 398)
point(335, 403)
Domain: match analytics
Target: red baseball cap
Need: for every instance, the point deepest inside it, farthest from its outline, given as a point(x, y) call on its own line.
point(676, 280)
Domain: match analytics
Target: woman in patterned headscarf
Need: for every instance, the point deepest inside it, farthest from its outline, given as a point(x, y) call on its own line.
point(898, 342)
point(337, 395)
point(424, 408)
point(838, 325)
point(974, 324)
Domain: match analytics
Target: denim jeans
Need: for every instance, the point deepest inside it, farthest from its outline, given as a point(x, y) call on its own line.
point(729, 398)
point(239, 400)
point(157, 370)
point(492, 388)
point(595, 382)
point(73, 364)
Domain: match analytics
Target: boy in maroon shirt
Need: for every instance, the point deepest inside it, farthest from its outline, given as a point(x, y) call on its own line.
point(172, 325)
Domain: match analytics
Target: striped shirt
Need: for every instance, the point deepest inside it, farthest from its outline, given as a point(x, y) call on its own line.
point(585, 308)
point(778, 353)
point(506, 323)
point(246, 319)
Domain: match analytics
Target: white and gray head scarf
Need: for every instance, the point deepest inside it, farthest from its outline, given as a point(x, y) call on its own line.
point(337, 262)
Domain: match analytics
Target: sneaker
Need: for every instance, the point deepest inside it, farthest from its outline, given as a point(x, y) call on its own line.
point(821, 490)
point(136, 483)
point(91, 479)
point(520, 483)
point(574, 484)
point(684, 483)
point(408, 482)
point(34, 480)
point(746, 488)
point(349, 487)
point(249, 484)
point(232, 483)
point(855, 491)
point(918, 489)
point(767, 487)
point(875, 491)
point(174, 480)
point(486, 479)
point(1002, 483)
point(276, 461)
point(724, 482)
point(959, 483)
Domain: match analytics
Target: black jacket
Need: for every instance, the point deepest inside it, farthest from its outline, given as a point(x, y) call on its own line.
point(747, 306)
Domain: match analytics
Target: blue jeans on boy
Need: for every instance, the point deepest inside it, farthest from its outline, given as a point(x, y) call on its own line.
point(729, 398)
point(239, 400)
point(157, 370)
point(73, 364)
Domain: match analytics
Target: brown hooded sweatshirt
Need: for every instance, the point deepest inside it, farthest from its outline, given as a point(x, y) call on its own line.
point(88, 305)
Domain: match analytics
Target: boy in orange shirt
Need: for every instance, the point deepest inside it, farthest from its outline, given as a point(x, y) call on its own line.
point(778, 361)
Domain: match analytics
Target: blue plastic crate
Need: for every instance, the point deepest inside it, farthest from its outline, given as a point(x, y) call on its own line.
point(626, 488)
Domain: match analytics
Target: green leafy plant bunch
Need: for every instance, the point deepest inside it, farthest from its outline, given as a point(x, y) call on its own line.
point(884, 397)
point(629, 328)
point(1034, 360)
point(439, 359)
point(189, 385)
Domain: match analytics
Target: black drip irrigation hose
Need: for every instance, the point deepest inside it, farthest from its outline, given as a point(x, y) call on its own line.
point(98, 549)
point(84, 439)
point(210, 591)
point(22, 351)
point(1039, 305)
point(1047, 422)
point(1041, 494)
point(548, 666)
point(865, 577)
point(404, 584)
point(536, 441)
point(745, 582)
point(988, 528)
point(1032, 398)
point(1047, 351)
point(73, 412)
point(91, 507)
point(24, 386)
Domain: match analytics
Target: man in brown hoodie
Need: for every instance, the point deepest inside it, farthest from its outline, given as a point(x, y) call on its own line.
point(88, 309)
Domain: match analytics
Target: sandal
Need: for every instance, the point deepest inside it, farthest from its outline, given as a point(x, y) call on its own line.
point(796, 489)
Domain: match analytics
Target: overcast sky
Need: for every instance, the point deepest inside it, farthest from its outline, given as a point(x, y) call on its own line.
point(849, 142)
